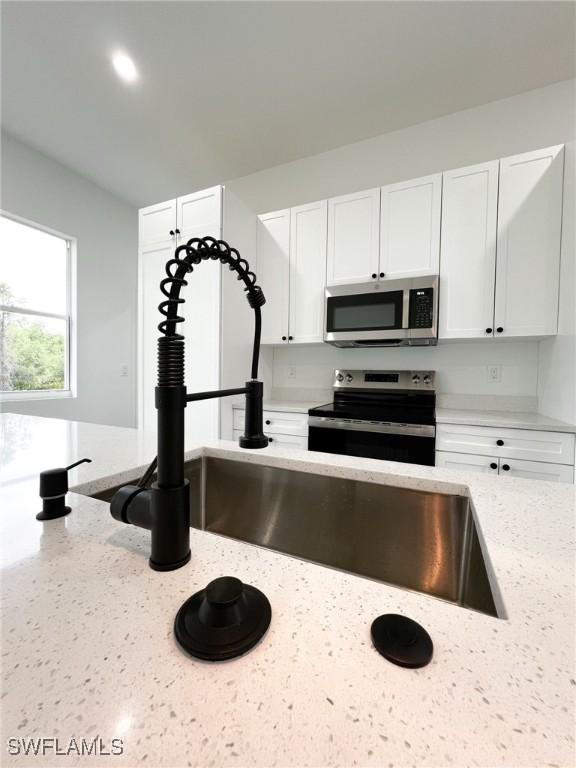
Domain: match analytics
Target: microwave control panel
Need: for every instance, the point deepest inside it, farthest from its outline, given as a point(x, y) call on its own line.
point(421, 313)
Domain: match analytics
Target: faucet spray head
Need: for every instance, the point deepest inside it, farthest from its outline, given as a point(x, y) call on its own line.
point(253, 436)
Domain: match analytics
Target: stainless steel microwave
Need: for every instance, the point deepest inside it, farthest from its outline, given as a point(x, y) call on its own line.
point(387, 313)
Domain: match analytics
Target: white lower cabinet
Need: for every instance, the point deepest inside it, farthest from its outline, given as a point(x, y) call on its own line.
point(537, 470)
point(285, 429)
point(467, 462)
point(509, 452)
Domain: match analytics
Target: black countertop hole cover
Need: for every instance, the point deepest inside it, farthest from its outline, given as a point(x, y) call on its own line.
point(402, 641)
point(222, 621)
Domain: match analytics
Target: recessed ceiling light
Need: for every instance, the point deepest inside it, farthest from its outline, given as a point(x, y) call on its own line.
point(125, 67)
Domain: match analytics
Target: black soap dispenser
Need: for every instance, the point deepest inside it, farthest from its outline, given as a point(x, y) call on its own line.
point(53, 490)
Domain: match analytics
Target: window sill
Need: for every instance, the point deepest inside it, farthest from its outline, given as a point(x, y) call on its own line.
point(27, 395)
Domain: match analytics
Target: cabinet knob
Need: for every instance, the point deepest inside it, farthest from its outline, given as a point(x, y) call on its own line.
point(499, 329)
point(506, 467)
point(172, 233)
point(374, 275)
point(493, 465)
point(270, 439)
point(268, 422)
point(177, 231)
point(290, 338)
point(488, 330)
point(283, 338)
point(500, 442)
point(382, 274)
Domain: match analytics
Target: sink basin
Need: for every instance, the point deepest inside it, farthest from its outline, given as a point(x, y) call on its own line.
point(417, 540)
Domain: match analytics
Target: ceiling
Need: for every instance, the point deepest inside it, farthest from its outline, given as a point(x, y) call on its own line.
point(230, 88)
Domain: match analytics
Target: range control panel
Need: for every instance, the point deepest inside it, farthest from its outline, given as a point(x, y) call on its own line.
point(345, 379)
point(421, 311)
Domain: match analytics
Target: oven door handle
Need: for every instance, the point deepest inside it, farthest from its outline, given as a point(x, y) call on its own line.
point(382, 427)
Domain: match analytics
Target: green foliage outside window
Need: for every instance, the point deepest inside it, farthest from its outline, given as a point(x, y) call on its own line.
point(32, 350)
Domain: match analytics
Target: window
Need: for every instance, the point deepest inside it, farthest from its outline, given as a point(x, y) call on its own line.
point(35, 311)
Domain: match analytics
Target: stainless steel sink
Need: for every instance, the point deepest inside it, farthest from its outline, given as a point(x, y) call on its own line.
point(416, 540)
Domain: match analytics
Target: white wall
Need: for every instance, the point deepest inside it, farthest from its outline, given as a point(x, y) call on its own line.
point(535, 119)
point(557, 360)
point(461, 367)
point(37, 188)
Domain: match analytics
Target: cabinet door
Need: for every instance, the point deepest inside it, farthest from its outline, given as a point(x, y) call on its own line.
point(157, 223)
point(307, 271)
point(468, 252)
point(353, 230)
point(151, 270)
point(528, 255)
point(537, 470)
point(410, 227)
point(273, 249)
point(288, 441)
point(200, 214)
point(467, 462)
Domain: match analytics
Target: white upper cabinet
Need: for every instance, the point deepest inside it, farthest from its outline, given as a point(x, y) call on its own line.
point(528, 250)
point(468, 252)
point(308, 224)
point(291, 247)
point(273, 270)
point(157, 223)
point(160, 231)
point(353, 234)
point(410, 227)
point(200, 214)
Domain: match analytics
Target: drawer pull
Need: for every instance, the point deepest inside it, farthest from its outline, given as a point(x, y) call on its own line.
point(268, 422)
point(500, 442)
point(493, 465)
point(506, 467)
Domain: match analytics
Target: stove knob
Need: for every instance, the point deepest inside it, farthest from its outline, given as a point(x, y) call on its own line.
point(339, 377)
point(427, 379)
point(349, 378)
point(415, 379)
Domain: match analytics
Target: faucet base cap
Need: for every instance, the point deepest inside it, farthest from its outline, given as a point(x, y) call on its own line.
point(402, 641)
point(253, 442)
point(170, 566)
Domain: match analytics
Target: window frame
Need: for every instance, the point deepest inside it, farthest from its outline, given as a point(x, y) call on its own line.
point(69, 390)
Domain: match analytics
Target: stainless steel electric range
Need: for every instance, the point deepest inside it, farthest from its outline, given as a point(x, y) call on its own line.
point(379, 415)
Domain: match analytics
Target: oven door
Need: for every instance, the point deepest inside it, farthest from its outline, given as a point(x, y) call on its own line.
point(367, 312)
point(408, 443)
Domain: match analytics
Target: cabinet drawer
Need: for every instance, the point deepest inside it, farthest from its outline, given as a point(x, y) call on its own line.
point(537, 470)
point(281, 441)
point(277, 422)
point(525, 444)
point(467, 462)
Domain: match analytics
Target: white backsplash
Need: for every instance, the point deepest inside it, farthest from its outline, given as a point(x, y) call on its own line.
point(306, 372)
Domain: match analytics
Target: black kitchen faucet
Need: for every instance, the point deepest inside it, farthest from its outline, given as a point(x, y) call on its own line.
point(163, 508)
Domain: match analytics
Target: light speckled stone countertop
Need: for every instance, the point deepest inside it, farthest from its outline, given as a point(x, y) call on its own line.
point(88, 648)
point(502, 419)
point(478, 418)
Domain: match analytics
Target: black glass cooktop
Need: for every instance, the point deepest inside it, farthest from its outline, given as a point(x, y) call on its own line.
point(404, 407)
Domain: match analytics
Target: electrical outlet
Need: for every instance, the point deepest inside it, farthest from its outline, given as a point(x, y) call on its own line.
point(291, 371)
point(123, 370)
point(494, 374)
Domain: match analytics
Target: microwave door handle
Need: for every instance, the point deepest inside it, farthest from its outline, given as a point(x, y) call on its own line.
point(406, 308)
